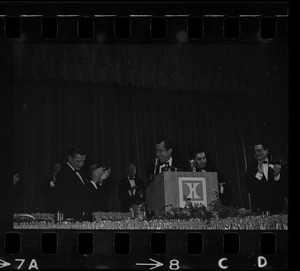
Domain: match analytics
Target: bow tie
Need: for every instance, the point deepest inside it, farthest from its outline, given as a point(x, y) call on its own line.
point(165, 164)
point(265, 162)
point(133, 178)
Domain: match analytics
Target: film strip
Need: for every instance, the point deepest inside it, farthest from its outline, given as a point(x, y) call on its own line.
point(140, 250)
point(158, 24)
point(142, 23)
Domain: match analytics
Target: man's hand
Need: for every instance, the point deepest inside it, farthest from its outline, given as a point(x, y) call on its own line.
point(105, 174)
point(16, 178)
point(100, 174)
point(140, 193)
point(133, 188)
point(96, 174)
point(277, 168)
point(260, 167)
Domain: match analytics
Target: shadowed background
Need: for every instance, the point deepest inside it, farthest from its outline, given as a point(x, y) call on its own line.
point(115, 100)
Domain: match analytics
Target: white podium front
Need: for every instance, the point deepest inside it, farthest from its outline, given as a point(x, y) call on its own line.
point(171, 187)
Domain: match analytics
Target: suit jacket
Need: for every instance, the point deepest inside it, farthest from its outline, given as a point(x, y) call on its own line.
point(175, 164)
point(266, 195)
point(125, 198)
point(73, 197)
point(226, 197)
point(17, 194)
point(49, 193)
point(101, 197)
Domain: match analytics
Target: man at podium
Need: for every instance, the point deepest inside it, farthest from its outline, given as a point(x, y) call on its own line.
point(164, 159)
point(172, 185)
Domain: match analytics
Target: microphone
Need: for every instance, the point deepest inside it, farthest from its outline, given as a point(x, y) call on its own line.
point(156, 162)
point(193, 164)
point(175, 168)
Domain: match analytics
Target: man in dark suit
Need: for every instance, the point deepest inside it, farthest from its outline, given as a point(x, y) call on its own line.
point(203, 165)
point(74, 191)
point(266, 182)
point(49, 190)
point(130, 189)
point(101, 197)
point(17, 193)
point(164, 160)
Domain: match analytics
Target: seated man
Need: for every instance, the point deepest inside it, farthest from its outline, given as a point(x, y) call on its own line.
point(202, 165)
point(49, 190)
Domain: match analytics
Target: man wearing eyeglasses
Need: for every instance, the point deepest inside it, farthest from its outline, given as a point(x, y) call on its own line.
point(265, 182)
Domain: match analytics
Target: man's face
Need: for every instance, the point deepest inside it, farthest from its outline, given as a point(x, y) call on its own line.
point(77, 161)
point(131, 171)
point(200, 159)
point(161, 153)
point(93, 167)
point(260, 153)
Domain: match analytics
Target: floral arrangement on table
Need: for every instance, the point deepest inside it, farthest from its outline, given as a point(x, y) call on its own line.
point(114, 216)
point(192, 217)
point(215, 209)
point(264, 222)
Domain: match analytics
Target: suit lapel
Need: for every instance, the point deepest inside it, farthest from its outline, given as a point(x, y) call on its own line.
point(79, 176)
point(78, 179)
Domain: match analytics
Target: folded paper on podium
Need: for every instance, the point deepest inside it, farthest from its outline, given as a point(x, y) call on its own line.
point(171, 188)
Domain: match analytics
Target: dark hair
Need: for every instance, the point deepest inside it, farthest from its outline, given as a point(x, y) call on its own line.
point(261, 142)
point(76, 150)
point(167, 142)
point(129, 164)
point(197, 150)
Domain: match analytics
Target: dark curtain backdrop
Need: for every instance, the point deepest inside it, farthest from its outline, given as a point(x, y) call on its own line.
point(115, 100)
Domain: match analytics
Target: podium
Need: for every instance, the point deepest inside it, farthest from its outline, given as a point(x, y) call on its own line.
point(171, 187)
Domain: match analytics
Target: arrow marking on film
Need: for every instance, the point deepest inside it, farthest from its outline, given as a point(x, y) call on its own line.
point(155, 264)
point(3, 263)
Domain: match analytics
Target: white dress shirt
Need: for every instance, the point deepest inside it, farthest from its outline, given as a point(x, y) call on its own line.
point(169, 162)
point(266, 172)
point(132, 184)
